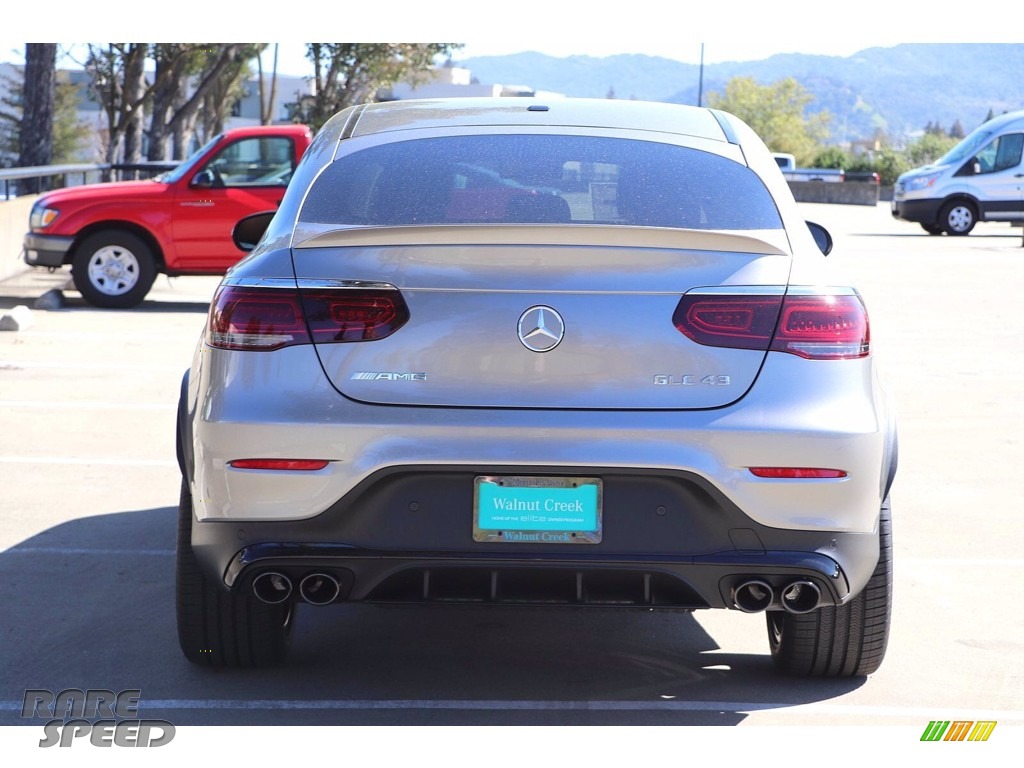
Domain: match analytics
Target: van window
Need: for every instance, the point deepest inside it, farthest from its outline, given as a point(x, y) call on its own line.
point(539, 179)
point(1003, 153)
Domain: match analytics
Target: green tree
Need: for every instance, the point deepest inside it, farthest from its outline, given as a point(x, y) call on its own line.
point(167, 102)
point(777, 113)
point(928, 148)
point(117, 81)
point(831, 157)
point(886, 162)
point(186, 75)
point(351, 73)
point(69, 133)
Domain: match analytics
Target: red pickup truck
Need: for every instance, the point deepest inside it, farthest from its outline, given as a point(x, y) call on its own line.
point(118, 236)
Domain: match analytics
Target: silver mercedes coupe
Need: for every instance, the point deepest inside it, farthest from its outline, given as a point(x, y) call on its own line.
point(565, 353)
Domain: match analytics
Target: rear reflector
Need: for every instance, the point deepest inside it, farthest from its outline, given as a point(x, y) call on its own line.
point(796, 472)
point(264, 319)
point(287, 465)
point(816, 327)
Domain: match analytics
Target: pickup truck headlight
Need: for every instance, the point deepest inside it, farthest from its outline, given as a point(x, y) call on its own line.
point(921, 182)
point(41, 217)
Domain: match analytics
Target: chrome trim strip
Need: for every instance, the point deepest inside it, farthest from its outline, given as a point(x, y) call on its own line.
point(290, 283)
point(822, 290)
point(738, 290)
point(260, 282)
point(773, 290)
point(325, 283)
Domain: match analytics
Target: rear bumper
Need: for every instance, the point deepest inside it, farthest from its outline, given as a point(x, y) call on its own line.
point(671, 541)
point(391, 516)
point(46, 250)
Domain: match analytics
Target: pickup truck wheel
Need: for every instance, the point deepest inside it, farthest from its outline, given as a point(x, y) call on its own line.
point(958, 217)
point(113, 269)
point(845, 640)
point(218, 628)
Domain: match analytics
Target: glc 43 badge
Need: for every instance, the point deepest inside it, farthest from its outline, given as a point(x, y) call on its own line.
point(691, 380)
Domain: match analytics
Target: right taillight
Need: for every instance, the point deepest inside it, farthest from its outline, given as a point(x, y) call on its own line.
point(813, 325)
point(261, 318)
point(823, 327)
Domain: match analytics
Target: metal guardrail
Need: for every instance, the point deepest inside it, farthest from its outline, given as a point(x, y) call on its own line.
point(118, 171)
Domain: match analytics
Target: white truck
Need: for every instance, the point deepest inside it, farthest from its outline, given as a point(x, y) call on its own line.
point(787, 164)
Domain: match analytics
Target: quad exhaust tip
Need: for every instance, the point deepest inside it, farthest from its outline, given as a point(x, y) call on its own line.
point(801, 596)
point(319, 588)
point(272, 587)
point(753, 596)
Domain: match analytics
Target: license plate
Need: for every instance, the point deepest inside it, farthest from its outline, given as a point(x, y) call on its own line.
point(537, 510)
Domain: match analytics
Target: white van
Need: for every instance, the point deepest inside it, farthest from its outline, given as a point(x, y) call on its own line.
point(980, 179)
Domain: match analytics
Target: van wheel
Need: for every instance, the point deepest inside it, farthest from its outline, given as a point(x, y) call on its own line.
point(113, 269)
point(932, 229)
point(958, 217)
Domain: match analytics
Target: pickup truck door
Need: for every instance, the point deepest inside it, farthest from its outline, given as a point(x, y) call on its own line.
point(246, 176)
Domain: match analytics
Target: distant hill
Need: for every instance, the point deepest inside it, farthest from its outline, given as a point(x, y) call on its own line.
point(899, 90)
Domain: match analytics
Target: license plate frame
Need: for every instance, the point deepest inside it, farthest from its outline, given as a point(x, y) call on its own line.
point(530, 509)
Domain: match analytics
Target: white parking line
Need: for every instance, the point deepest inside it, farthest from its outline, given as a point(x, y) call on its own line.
point(78, 461)
point(86, 405)
point(16, 550)
point(105, 335)
point(16, 365)
point(973, 562)
point(654, 705)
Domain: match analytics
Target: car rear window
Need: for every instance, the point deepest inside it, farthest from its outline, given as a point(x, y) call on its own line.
point(539, 179)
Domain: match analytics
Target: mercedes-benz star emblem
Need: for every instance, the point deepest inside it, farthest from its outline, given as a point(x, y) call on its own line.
point(541, 329)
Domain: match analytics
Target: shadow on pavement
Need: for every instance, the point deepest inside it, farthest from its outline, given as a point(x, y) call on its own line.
point(90, 604)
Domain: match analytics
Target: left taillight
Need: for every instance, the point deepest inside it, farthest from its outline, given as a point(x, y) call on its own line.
point(258, 318)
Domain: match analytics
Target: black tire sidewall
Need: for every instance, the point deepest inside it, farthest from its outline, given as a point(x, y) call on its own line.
point(218, 628)
point(805, 644)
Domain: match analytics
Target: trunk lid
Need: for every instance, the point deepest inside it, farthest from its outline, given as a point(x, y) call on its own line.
point(480, 296)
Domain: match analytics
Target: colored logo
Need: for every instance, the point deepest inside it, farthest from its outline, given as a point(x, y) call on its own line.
point(958, 730)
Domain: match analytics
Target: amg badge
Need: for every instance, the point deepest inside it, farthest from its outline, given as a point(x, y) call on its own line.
point(388, 376)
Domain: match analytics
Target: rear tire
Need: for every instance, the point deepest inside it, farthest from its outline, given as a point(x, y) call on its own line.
point(113, 269)
point(932, 229)
point(218, 628)
point(845, 640)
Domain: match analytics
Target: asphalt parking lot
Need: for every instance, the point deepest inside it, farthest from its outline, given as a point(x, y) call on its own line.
point(89, 489)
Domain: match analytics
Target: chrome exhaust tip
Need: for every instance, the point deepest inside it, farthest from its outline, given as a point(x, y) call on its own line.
point(801, 596)
point(753, 596)
point(272, 587)
point(319, 589)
